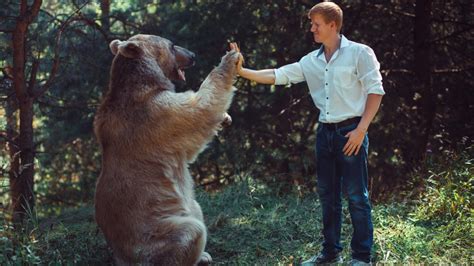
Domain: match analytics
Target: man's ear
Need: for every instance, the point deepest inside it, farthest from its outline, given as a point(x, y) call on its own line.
point(130, 49)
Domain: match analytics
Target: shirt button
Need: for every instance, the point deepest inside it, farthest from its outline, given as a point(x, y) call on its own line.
point(326, 84)
point(327, 98)
point(327, 113)
point(326, 69)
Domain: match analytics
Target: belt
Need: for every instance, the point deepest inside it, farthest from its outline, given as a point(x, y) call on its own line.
point(345, 123)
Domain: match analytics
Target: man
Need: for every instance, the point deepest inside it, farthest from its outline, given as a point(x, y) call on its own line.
point(346, 86)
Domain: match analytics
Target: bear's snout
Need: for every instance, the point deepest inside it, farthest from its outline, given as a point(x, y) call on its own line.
point(184, 57)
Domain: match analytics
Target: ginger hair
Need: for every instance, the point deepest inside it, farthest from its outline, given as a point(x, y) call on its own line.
point(330, 11)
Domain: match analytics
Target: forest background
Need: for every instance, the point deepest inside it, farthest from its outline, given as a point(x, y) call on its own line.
point(55, 62)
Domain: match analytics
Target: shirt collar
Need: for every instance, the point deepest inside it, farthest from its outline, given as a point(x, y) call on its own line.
point(320, 51)
point(344, 43)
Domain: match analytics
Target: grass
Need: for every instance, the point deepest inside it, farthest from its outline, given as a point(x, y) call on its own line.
point(70, 238)
point(249, 225)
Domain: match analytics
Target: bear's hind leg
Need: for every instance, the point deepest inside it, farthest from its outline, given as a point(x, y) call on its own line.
point(185, 238)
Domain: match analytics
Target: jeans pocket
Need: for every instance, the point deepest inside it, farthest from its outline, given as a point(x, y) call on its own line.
point(343, 131)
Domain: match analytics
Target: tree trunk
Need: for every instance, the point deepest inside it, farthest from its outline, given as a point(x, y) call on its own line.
point(105, 16)
point(12, 130)
point(423, 59)
point(21, 186)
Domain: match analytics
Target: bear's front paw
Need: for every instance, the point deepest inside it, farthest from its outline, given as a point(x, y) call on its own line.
point(231, 60)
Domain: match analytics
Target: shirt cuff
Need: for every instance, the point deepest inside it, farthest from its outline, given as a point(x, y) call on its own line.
point(280, 79)
point(376, 90)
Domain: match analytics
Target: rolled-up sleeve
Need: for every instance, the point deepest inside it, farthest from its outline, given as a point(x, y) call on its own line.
point(368, 70)
point(289, 74)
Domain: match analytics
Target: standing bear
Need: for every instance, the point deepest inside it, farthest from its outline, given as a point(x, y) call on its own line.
point(144, 201)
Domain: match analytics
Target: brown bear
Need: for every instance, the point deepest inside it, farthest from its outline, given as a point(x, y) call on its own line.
point(144, 201)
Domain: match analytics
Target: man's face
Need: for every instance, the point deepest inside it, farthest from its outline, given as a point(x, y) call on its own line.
point(321, 30)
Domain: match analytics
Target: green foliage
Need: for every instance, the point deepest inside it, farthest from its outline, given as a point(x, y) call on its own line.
point(440, 222)
point(249, 223)
point(400, 238)
point(70, 238)
point(450, 189)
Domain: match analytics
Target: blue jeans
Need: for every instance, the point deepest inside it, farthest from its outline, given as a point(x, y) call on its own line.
point(336, 173)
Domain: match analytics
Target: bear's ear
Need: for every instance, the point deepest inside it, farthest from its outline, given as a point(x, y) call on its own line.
point(114, 46)
point(130, 49)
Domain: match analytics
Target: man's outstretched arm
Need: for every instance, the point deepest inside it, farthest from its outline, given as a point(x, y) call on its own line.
point(263, 76)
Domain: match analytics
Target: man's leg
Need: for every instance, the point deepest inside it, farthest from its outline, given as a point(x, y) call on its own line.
point(355, 181)
point(329, 190)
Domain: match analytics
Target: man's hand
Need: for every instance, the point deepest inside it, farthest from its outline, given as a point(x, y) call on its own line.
point(354, 142)
point(357, 135)
point(263, 76)
point(234, 46)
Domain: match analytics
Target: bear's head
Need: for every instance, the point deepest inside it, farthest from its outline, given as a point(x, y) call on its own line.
point(172, 59)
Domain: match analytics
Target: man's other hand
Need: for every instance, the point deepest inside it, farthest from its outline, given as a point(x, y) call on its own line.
point(354, 142)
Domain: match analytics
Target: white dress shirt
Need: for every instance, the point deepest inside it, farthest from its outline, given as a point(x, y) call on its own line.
point(339, 88)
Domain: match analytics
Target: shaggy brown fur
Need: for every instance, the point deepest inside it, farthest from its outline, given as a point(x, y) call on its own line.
point(149, 134)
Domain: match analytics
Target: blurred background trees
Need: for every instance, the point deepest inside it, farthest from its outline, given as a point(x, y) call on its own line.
point(427, 61)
